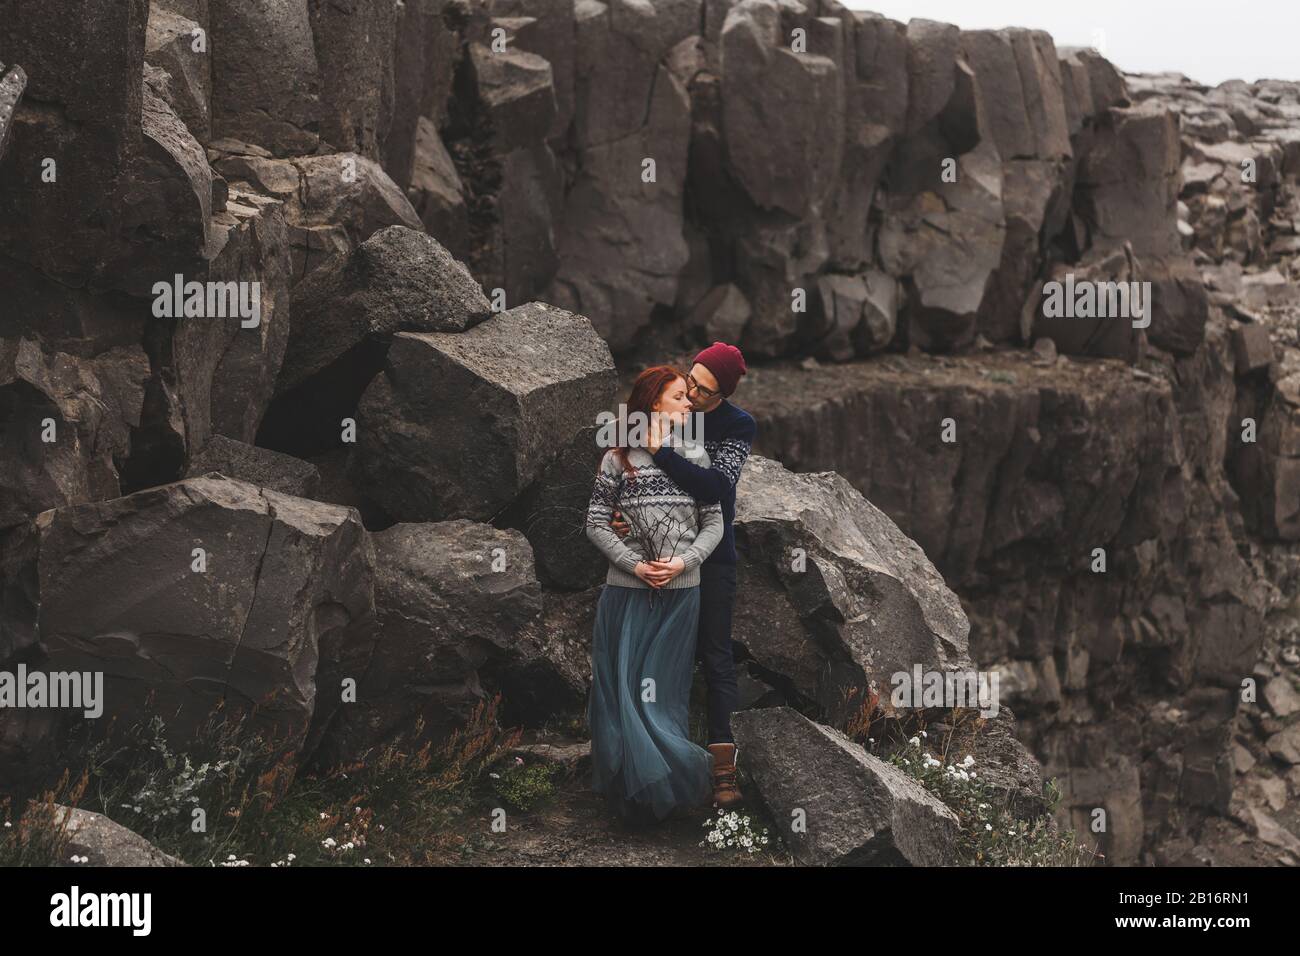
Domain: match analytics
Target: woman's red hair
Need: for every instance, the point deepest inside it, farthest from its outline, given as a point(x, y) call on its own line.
point(646, 390)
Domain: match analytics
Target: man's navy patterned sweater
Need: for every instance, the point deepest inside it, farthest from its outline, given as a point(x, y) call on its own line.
point(728, 435)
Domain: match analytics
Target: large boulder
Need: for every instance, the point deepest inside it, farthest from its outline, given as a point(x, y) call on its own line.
point(344, 316)
point(106, 843)
point(516, 93)
point(833, 596)
point(204, 592)
point(216, 375)
point(459, 618)
point(459, 424)
point(843, 807)
point(398, 280)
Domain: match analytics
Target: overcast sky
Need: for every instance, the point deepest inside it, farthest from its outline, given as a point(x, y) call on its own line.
point(1209, 42)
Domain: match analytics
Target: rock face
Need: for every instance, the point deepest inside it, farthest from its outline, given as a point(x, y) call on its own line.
point(857, 809)
point(204, 591)
point(1005, 516)
point(458, 425)
point(170, 45)
point(832, 596)
point(333, 203)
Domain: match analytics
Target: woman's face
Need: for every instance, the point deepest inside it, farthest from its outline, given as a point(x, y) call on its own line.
point(673, 401)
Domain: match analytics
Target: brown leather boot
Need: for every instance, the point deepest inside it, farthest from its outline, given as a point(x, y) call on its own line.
point(725, 792)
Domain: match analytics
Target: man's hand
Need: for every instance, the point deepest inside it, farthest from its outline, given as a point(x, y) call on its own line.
point(655, 439)
point(621, 527)
point(667, 570)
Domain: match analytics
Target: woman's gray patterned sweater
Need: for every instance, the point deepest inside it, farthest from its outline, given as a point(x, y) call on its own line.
point(666, 522)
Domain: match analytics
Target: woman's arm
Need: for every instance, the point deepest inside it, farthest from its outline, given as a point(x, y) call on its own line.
point(604, 500)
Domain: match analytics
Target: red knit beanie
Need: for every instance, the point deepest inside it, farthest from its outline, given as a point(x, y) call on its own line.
point(726, 363)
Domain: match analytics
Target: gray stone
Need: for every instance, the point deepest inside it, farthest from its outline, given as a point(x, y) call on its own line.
point(459, 618)
point(285, 580)
point(436, 191)
point(88, 407)
point(1252, 347)
point(12, 83)
point(1285, 745)
point(266, 76)
point(858, 810)
point(721, 316)
point(106, 843)
point(459, 424)
point(257, 466)
point(782, 112)
point(1282, 697)
point(398, 280)
point(169, 45)
point(517, 93)
point(333, 203)
point(865, 602)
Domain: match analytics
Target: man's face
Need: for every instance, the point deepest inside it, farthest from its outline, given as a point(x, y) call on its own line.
point(702, 389)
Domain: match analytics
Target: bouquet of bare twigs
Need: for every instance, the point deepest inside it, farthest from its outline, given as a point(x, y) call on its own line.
point(657, 536)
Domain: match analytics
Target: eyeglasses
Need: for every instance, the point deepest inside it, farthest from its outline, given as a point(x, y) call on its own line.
point(694, 386)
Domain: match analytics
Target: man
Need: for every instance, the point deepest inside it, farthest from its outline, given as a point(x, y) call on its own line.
point(728, 435)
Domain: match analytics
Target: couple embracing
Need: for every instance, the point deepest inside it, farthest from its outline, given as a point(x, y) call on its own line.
point(661, 512)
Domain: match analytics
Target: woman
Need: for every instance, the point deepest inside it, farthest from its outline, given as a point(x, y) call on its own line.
point(643, 647)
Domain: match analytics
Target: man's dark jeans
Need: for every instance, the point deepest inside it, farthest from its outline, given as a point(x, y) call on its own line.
point(713, 647)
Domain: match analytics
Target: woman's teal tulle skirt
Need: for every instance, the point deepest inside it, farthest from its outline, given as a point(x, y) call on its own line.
point(641, 757)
